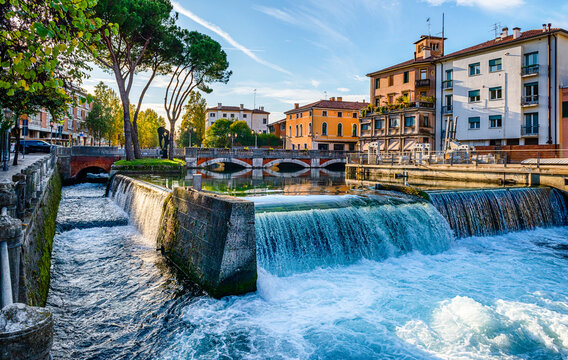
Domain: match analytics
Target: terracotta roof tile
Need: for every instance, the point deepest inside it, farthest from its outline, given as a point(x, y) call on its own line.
point(329, 104)
point(405, 64)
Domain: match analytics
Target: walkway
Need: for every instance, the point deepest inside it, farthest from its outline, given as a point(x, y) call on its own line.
point(22, 164)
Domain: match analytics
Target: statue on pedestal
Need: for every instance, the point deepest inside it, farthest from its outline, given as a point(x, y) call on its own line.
point(164, 141)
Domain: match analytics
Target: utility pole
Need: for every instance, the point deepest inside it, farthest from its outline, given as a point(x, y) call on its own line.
point(254, 103)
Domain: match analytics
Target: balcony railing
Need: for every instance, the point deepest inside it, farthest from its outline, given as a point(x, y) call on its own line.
point(529, 100)
point(422, 83)
point(530, 69)
point(448, 109)
point(386, 109)
point(447, 84)
point(529, 130)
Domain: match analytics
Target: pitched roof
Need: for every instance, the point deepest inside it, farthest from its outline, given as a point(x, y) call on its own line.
point(529, 34)
point(330, 104)
point(258, 111)
point(236, 108)
point(405, 64)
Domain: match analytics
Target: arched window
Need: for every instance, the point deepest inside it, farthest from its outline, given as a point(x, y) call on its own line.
point(340, 129)
point(324, 129)
point(354, 130)
point(301, 130)
point(289, 130)
point(309, 128)
point(296, 130)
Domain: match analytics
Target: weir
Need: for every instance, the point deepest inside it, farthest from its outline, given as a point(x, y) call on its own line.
point(498, 211)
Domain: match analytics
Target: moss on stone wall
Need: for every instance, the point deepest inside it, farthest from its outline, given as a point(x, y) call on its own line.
point(40, 234)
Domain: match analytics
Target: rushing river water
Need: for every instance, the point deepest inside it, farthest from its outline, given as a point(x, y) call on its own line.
point(422, 294)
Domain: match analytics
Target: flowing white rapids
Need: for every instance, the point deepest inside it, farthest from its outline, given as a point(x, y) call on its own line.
point(142, 201)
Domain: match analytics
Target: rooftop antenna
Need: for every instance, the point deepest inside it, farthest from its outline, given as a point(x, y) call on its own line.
point(496, 27)
point(325, 95)
point(254, 101)
point(428, 22)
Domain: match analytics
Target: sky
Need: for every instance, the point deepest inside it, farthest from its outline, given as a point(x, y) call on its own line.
point(301, 51)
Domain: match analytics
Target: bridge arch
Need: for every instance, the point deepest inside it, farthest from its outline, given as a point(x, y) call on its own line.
point(331, 162)
point(286, 175)
point(225, 160)
point(286, 161)
point(80, 165)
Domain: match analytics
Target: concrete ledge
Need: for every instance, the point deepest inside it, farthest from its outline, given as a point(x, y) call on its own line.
point(211, 238)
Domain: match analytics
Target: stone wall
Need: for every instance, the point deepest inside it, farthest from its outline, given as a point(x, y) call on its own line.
point(211, 238)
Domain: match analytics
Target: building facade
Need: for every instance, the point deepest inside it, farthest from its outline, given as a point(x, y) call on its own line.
point(402, 109)
point(505, 91)
point(323, 125)
point(257, 119)
point(69, 130)
point(278, 128)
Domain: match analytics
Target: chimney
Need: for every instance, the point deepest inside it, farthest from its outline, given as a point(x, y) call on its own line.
point(219, 105)
point(516, 32)
point(242, 106)
point(339, 98)
point(296, 105)
point(549, 26)
point(504, 33)
point(543, 27)
point(332, 98)
point(262, 108)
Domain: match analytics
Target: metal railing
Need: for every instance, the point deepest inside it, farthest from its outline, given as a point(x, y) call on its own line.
point(529, 100)
point(263, 153)
point(447, 84)
point(529, 130)
point(448, 109)
point(422, 83)
point(530, 69)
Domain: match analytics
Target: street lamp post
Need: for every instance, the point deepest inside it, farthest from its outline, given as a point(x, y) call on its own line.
point(6, 150)
point(51, 126)
point(255, 139)
point(190, 130)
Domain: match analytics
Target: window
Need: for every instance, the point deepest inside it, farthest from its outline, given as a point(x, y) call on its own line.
point(339, 114)
point(495, 65)
point(377, 83)
point(324, 129)
point(365, 127)
point(224, 115)
point(406, 77)
point(409, 121)
point(423, 74)
point(290, 130)
point(264, 121)
point(495, 93)
point(377, 102)
point(324, 113)
point(495, 121)
point(354, 115)
point(449, 74)
point(393, 122)
point(474, 69)
point(244, 116)
point(391, 98)
point(212, 115)
point(565, 109)
point(379, 123)
point(297, 132)
point(354, 130)
point(293, 146)
point(310, 128)
point(305, 146)
point(474, 96)
point(338, 147)
point(425, 121)
point(531, 59)
point(297, 116)
point(406, 96)
point(474, 122)
point(290, 116)
point(232, 116)
point(391, 80)
point(340, 129)
point(301, 130)
point(531, 124)
point(310, 112)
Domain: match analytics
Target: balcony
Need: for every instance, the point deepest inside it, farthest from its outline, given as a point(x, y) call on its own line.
point(529, 130)
point(421, 83)
point(529, 70)
point(530, 100)
point(448, 109)
point(447, 84)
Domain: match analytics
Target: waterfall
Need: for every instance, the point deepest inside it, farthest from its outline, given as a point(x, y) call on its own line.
point(497, 211)
point(142, 201)
point(301, 233)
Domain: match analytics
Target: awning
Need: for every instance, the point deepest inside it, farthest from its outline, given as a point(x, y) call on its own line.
point(408, 144)
point(394, 144)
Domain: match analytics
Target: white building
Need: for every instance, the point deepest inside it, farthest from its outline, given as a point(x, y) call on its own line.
point(504, 91)
point(257, 119)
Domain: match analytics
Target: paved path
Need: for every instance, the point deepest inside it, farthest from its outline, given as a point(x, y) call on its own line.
point(22, 164)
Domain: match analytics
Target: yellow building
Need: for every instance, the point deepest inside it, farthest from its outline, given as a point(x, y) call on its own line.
point(324, 125)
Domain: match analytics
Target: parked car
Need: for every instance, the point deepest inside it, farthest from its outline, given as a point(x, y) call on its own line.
point(28, 146)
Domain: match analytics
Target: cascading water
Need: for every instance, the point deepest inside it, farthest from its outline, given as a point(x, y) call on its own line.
point(296, 234)
point(142, 201)
point(490, 212)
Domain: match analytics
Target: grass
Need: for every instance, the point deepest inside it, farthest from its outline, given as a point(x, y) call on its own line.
point(152, 162)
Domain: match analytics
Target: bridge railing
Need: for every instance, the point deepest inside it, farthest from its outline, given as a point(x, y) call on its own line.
point(263, 153)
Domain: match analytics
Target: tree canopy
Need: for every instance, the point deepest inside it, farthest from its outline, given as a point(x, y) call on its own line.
point(194, 120)
point(148, 124)
point(219, 134)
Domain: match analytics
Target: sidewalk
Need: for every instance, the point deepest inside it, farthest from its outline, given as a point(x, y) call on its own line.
point(22, 164)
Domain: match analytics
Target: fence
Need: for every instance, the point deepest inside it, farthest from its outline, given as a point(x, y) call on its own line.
point(461, 157)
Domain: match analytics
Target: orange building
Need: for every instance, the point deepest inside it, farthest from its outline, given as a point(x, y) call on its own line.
point(278, 128)
point(323, 125)
point(402, 110)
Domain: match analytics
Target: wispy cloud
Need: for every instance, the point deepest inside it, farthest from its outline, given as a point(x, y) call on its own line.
point(305, 18)
point(315, 83)
point(342, 89)
point(217, 30)
point(360, 78)
point(491, 5)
